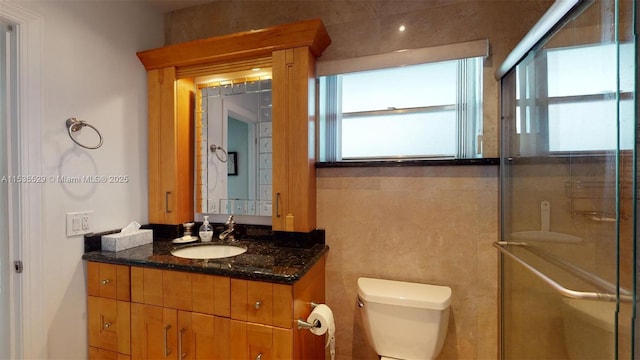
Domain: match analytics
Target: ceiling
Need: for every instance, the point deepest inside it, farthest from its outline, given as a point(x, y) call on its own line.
point(171, 5)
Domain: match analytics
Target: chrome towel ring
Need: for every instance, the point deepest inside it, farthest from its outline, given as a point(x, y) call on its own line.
point(218, 150)
point(75, 125)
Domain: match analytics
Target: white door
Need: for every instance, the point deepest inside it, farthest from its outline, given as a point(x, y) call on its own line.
point(8, 183)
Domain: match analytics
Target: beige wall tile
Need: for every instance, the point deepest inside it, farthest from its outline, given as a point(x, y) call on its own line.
point(430, 225)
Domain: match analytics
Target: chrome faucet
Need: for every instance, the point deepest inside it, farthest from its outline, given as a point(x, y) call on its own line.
point(228, 233)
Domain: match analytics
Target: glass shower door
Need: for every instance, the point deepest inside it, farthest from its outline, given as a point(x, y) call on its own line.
point(568, 185)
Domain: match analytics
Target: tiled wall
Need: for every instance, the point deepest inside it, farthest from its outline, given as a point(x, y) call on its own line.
point(367, 27)
point(426, 224)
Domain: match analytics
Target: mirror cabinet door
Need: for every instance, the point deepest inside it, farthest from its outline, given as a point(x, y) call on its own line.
point(233, 146)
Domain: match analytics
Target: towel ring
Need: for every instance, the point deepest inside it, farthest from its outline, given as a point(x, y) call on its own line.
point(75, 125)
point(214, 149)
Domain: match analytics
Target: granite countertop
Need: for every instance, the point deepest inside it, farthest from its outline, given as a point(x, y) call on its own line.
point(264, 260)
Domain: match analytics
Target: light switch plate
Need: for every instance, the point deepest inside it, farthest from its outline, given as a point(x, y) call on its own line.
point(79, 223)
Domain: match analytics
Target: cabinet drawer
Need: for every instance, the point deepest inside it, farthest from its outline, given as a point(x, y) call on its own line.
point(171, 289)
point(261, 302)
point(109, 324)
point(108, 281)
point(207, 294)
point(211, 294)
point(101, 354)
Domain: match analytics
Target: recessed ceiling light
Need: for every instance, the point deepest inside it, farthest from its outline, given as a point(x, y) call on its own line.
point(401, 28)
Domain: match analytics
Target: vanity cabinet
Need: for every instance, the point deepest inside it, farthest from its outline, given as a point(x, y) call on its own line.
point(291, 51)
point(182, 315)
point(108, 311)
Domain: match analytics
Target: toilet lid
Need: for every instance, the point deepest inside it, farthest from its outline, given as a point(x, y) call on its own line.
point(402, 293)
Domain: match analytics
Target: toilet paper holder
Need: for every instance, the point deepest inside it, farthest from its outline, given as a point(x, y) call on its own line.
point(305, 325)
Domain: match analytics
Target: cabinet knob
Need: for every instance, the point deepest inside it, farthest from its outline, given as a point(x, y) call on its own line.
point(259, 357)
point(105, 281)
point(106, 325)
point(257, 305)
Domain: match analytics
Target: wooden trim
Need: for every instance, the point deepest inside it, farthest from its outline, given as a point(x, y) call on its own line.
point(184, 154)
point(239, 46)
point(223, 68)
point(311, 288)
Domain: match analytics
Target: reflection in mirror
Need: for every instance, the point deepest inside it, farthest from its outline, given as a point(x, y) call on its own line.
point(233, 146)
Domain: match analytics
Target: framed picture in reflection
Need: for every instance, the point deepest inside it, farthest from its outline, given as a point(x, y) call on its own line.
point(232, 164)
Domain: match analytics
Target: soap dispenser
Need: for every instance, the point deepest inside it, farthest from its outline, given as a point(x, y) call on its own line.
point(206, 231)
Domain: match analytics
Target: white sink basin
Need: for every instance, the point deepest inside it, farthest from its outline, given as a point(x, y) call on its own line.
point(208, 251)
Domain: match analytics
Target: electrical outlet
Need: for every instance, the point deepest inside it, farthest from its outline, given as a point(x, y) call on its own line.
point(79, 223)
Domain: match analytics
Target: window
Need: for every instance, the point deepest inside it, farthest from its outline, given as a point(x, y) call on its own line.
point(417, 111)
point(573, 101)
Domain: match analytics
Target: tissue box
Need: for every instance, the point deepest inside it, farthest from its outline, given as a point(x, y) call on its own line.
point(120, 241)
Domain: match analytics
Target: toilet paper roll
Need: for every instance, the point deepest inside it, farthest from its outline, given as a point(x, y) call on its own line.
point(323, 314)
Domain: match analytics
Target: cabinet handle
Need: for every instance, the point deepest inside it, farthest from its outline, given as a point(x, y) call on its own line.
point(107, 325)
point(278, 204)
point(105, 281)
point(181, 354)
point(166, 201)
point(258, 304)
point(259, 357)
point(166, 331)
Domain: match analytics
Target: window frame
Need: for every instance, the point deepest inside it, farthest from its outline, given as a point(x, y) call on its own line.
point(459, 51)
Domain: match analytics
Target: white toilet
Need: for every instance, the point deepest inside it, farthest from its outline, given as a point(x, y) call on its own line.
point(404, 320)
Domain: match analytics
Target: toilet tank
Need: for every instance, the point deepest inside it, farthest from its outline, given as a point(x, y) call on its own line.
point(404, 320)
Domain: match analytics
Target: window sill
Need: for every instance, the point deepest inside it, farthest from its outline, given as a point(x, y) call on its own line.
point(407, 163)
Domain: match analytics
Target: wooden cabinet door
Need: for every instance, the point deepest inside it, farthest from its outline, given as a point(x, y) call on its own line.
point(260, 342)
point(109, 324)
point(294, 177)
point(154, 332)
point(170, 152)
point(203, 337)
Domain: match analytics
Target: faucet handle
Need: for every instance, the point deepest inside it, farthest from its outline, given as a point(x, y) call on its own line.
point(230, 222)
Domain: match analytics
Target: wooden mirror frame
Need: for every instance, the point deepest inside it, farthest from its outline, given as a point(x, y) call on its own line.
point(291, 50)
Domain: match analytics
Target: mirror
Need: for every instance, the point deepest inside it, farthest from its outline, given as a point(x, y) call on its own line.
point(233, 145)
